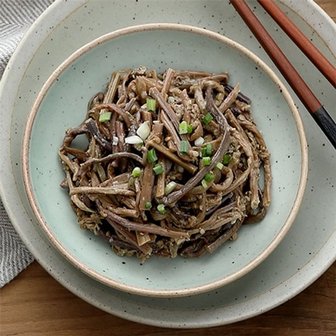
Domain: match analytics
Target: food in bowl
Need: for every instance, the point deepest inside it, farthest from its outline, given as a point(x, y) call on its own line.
point(171, 164)
point(62, 104)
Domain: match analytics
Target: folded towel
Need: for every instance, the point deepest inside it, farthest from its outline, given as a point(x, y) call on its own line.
point(16, 16)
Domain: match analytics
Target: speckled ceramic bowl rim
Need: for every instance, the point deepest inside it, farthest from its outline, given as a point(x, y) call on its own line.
point(186, 291)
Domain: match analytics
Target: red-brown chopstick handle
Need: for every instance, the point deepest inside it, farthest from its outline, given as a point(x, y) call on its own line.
point(315, 56)
point(280, 60)
point(301, 89)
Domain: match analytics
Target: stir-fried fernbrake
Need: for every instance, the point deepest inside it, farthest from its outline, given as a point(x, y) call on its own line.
point(174, 163)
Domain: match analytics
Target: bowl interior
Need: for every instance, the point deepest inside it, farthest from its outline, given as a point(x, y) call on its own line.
point(63, 104)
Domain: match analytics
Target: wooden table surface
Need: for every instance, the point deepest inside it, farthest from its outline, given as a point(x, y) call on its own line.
point(35, 304)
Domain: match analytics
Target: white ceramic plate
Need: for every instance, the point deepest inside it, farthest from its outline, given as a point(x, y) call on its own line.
point(307, 251)
point(60, 105)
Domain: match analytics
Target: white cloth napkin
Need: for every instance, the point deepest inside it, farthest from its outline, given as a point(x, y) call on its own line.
point(16, 16)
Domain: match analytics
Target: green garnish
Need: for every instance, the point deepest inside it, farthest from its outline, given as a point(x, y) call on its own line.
point(151, 104)
point(151, 156)
point(184, 146)
point(183, 127)
point(158, 169)
point(136, 172)
point(170, 187)
point(207, 118)
point(226, 159)
point(204, 184)
point(161, 208)
point(207, 150)
point(148, 205)
point(105, 116)
point(219, 165)
point(206, 161)
point(209, 177)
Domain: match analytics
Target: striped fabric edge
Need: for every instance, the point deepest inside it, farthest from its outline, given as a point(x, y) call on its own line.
point(16, 16)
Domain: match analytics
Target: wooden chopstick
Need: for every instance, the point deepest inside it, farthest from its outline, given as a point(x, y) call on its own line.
point(293, 78)
point(315, 56)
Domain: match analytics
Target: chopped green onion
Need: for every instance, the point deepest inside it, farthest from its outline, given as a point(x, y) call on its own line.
point(143, 131)
point(148, 205)
point(206, 161)
point(207, 150)
point(151, 104)
point(133, 140)
point(105, 116)
point(151, 156)
point(219, 165)
point(209, 177)
point(183, 127)
point(226, 159)
point(199, 141)
point(207, 118)
point(204, 184)
point(136, 172)
point(158, 169)
point(184, 146)
point(161, 208)
point(170, 187)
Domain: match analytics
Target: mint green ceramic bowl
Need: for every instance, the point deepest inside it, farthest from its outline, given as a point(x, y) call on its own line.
point(61, 104)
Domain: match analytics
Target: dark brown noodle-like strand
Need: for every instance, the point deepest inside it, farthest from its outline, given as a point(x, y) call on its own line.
point(171, 164)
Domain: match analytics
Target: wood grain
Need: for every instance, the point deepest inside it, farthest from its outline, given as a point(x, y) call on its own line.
point(35, 304)
point(329, 6)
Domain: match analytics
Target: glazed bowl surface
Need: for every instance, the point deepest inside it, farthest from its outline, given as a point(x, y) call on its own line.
point(62, 104)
